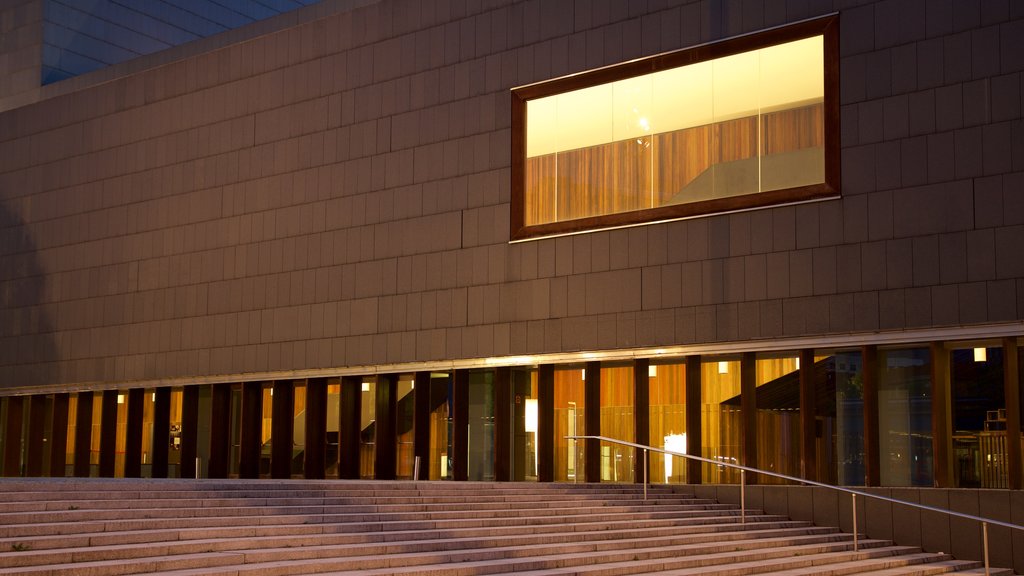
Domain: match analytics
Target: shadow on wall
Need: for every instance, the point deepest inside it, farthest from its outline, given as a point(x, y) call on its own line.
point(28, 349)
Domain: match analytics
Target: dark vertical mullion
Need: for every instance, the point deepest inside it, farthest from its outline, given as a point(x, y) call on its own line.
point(592, 421)
point(189, 430)
point(282, 428)
point(34, 445)
point(1011, 387)
point(871, 375)
point(694, 469)
point(350, 427)
point(220, 431)
point(387, 438)
point(641, 416)
point(251, 433)
point(546, 423)
point(133, 434)
point(503, 424)
point(108, 433)
point(460, 425)
point(315, 456)
point(421, 423)
point(748, 411)
point(83, 434)
point(12, 435)
point(942, 438)
point(59, 435)
point(161, 431)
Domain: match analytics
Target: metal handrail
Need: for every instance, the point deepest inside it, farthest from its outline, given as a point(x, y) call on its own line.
point(853, 493)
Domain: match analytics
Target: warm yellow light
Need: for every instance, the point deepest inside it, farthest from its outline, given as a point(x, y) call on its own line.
point(652, 371)
point(531, 415)
point(723, 367)
point(980, 355)
point(366, 386)
point(120, 398)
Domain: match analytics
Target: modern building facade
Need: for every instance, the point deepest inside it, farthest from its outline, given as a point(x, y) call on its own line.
point(378, 238)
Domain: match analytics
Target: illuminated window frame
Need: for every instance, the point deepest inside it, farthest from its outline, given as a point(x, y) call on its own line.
point(827, 27)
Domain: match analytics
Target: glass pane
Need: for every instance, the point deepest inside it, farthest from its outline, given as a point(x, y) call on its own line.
point(299, 430)
point(174, 454)
point(617, 422)
point(404, 422)
point(848, 430)
point(720, 418)
point(481, 425)
point(440, 426)
point(524, 422)
point(69, 457)
point(778, 416)
point(667, 390)
point(121, 435)
point(979, 418)
point(569, 421)
point(905, 418)
point(333, 427)
point(97, 425)
point(204, 432)
point(236, 429)
point(367, 428)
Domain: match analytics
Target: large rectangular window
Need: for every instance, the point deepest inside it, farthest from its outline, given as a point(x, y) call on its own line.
point(730, 125)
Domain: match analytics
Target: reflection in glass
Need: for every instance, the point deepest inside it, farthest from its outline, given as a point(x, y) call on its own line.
point(440, 426)
point(524, 422)
point(569, 421)
point(617, 422)
point(778, 416)
point(846, 372)
point(367, 428)
point(720, 418)
point(979, 418)
point(667, 394)
point(405, 406)
point(481, 425)
point(204, 433)
point(905, 418)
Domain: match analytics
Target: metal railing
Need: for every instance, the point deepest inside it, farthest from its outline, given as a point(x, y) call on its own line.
point(985, 522)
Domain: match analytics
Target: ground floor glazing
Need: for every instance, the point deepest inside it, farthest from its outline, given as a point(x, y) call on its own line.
point(923, 414)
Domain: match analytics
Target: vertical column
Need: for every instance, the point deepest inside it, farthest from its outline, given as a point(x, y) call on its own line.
point(315, 457)
point(12, 434)
point(546, 423)
point(59, 435)
point(133, 434)
point(808, 409)
point(503, 422)
point(387, 437)
point(421, 423)
point(189, 430)
point(282, 429)
point(108, 433)
point(220, 431)
point(34, 444)
point(83, 434)
point(251, 435)
point(460, 425)
point(694, 469)
point(942, 416)
point(351, 420)
point(592, 421)
point(161, 431)
point(641, 414)
point(872, 375)
point(1011, 387)
point(748, 411)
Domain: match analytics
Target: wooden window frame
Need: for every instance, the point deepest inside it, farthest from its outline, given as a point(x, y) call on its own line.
point(827, 26)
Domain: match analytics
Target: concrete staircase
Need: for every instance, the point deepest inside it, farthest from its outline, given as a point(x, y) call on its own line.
point(112, 527)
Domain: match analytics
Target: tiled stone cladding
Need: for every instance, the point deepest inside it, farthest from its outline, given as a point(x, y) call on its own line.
point(337, 194)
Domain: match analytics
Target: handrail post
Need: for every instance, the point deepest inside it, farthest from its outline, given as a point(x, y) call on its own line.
point(743, 496)
point(856, 544)
point(984, 543)
point(645, 474)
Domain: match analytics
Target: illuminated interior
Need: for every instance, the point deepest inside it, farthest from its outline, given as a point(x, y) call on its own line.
point(732, 126)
